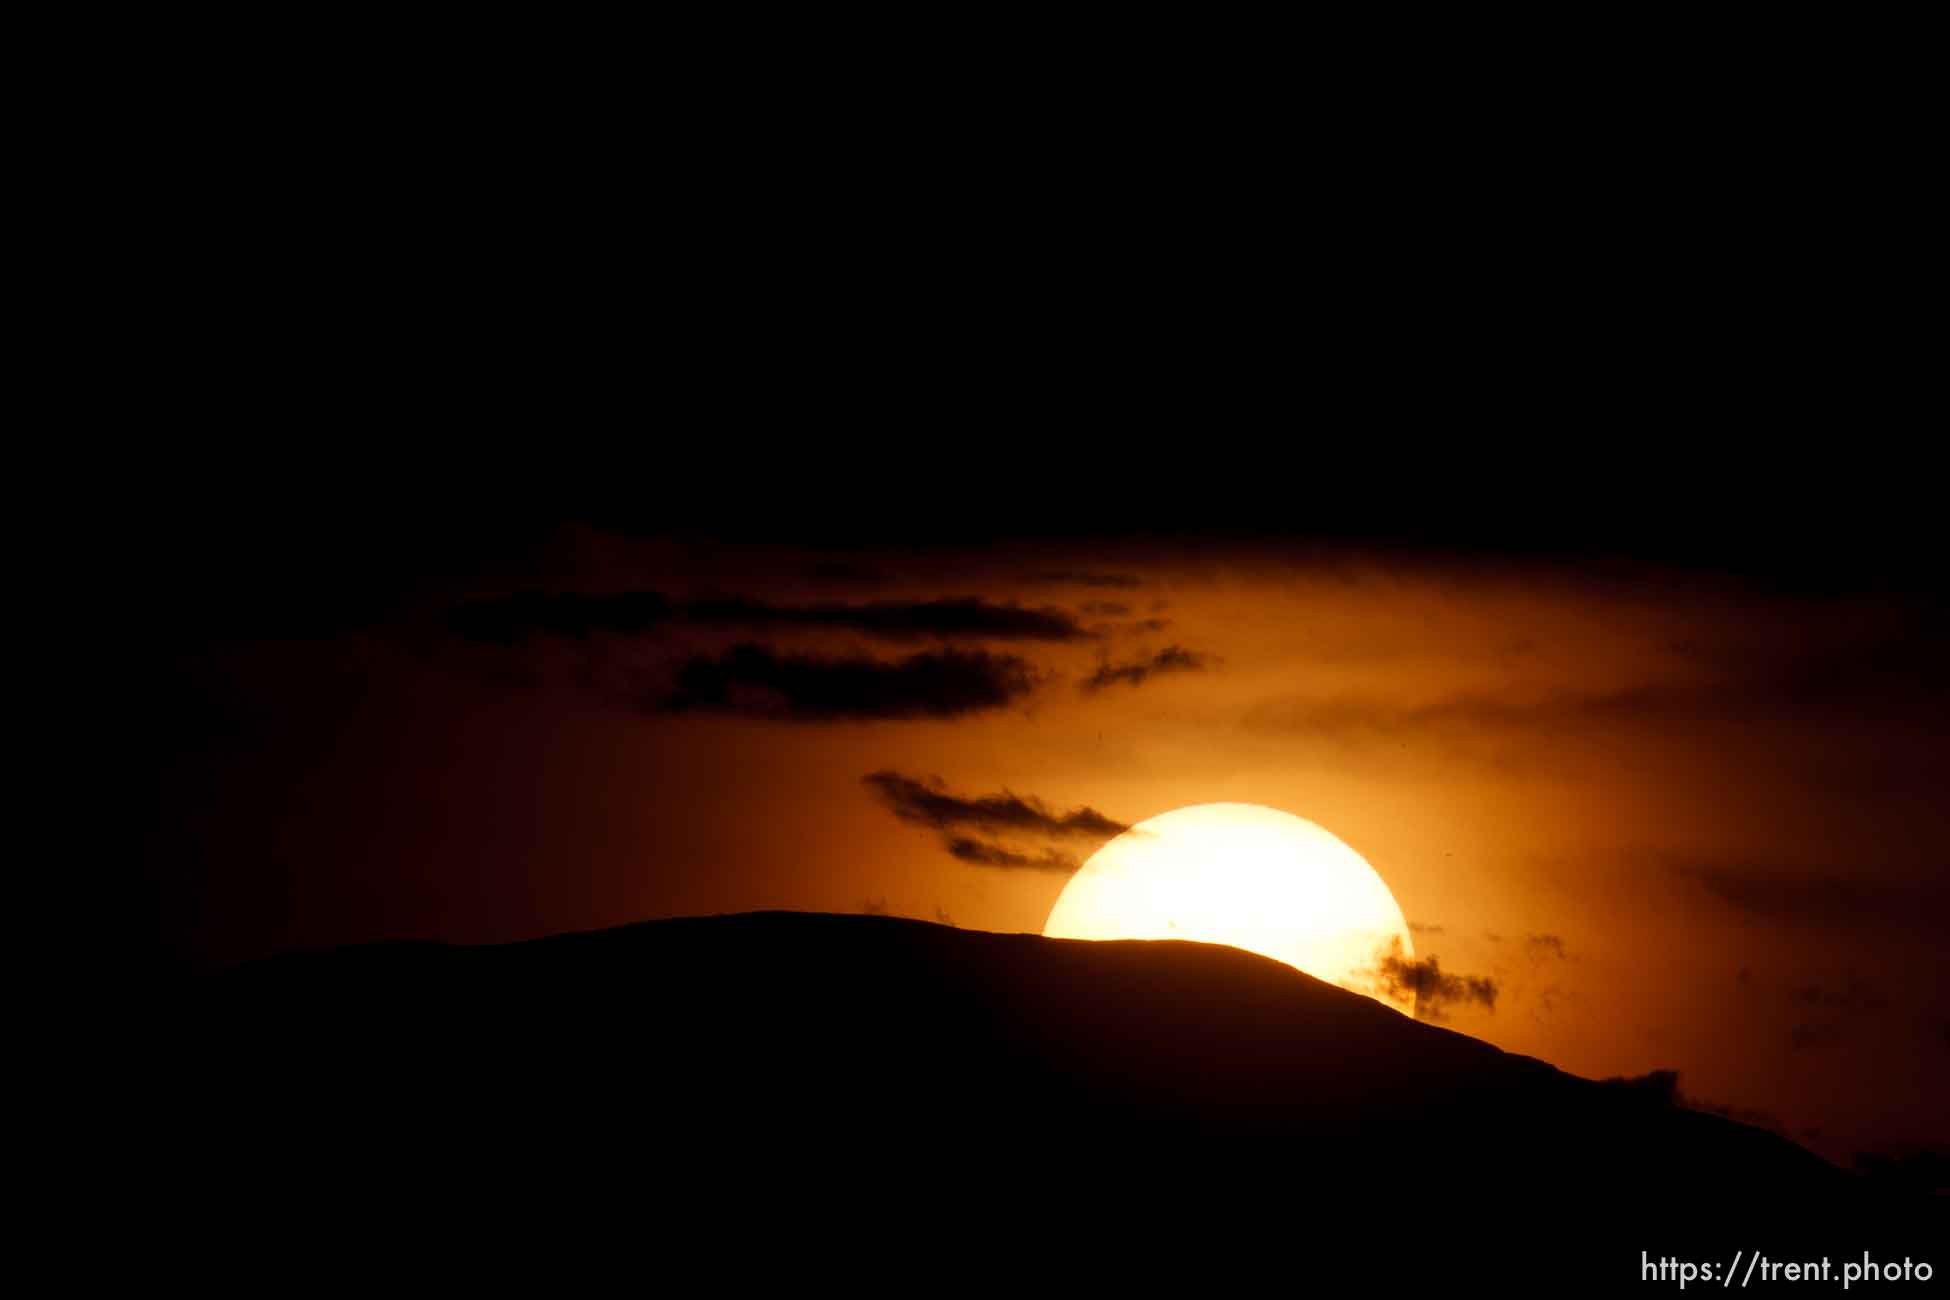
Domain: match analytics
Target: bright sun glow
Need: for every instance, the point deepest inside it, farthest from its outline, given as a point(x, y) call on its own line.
point(1247, 876)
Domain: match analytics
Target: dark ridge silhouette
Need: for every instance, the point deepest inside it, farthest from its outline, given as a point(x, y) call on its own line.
point(755, 1090)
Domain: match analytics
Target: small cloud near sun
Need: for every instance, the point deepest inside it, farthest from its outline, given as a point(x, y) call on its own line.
point(1171, 659)
point(1541, 946)
point(985, 830)
point(1434, 990)
point(980, 853)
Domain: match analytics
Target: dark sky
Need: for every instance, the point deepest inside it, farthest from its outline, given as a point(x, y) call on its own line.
point(544, 540)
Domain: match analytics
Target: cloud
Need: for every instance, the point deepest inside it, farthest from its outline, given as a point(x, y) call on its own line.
point(1897, 674)
point(1531, 985)
point(509, 619)
point(1434, 991)
point(1423, 927)
point(928, 803)
point(1121, 581)
point(1854, 995)
point(1828, 1008)
point(1354, 718)
point(974, 829)
point(1823, 1010)
point(1541, 946)
point(966, 618)
point(1171, 659)
point(981, 853)
point(758, 681)
point(1841, 901)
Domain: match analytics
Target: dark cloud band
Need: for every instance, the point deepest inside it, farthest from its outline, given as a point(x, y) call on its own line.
point(981, 853)
point(512, 618)
point(757, 681)
point(1171, 659)
point(928, 803)
point(973, 828)
point(1434, 990)
point(967, 618)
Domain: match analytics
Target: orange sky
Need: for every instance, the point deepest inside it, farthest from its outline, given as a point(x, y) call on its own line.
point(1682, 823)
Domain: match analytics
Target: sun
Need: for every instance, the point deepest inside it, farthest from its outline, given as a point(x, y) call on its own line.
point(1248, 876)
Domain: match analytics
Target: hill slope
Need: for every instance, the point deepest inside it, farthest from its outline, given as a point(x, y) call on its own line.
point(829, 1078)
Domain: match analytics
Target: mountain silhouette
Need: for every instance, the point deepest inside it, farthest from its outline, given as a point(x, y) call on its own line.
point(756, 1089)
